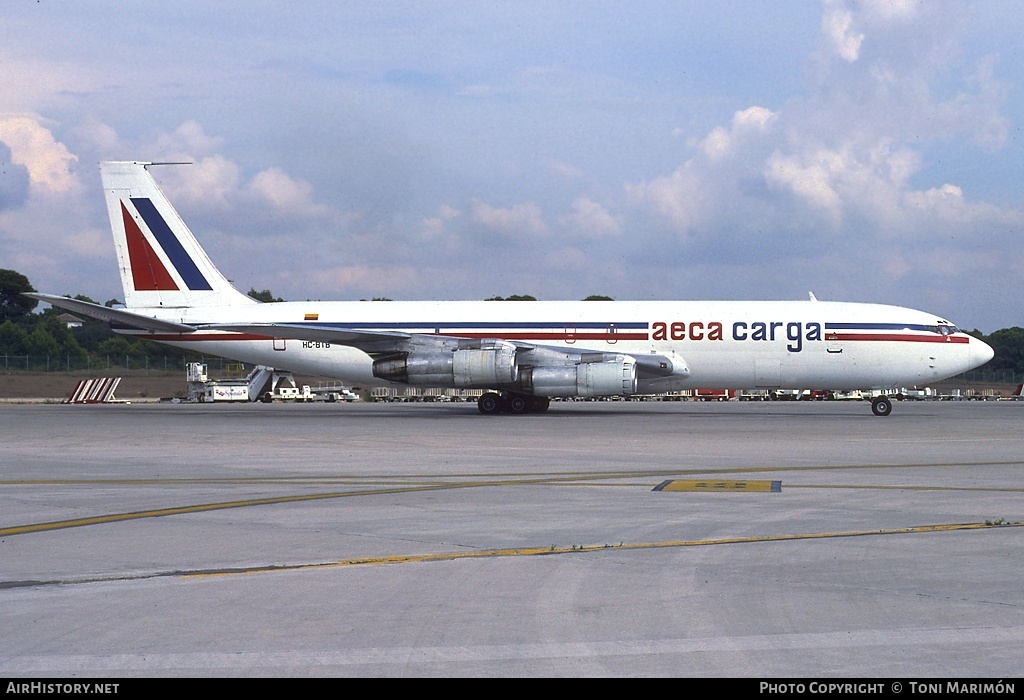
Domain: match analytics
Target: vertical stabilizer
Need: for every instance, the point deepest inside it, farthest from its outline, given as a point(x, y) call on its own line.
point(161, 263)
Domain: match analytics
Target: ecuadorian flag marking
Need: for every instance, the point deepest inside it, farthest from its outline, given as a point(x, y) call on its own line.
point(761, 486)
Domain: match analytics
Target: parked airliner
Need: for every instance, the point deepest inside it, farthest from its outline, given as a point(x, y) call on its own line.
point(522, 354)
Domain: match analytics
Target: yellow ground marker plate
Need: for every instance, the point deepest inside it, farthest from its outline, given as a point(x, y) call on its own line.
point(761, 486)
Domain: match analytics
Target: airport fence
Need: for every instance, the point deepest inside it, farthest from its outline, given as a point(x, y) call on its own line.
point(995, 376)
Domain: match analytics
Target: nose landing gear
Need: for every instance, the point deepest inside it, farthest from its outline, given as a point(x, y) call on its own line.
point(881, 406)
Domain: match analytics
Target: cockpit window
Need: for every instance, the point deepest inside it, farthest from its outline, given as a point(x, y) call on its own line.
point(947, 329)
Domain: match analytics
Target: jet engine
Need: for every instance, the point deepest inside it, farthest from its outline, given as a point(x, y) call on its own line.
point(587, 379)
point(493, 364)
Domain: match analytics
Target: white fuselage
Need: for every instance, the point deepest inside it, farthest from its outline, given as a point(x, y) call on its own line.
point(725, 344)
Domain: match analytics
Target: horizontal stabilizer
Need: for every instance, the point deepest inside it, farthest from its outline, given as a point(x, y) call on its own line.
point(105, 313)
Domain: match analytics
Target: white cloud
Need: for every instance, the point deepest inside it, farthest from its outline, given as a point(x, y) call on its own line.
point(810, 178)
point(47, 160)
point(285, 192)
point(746, 123)
point(837, 26)
point(679, 198)
point(703, 188)
point(207, 182)
point(97, 136)
point(187, 141)
point(32, 85)
point(434, 227)
point(892, 10)
point(866, 181)
point(564, 171)
point(591, 220)
point(525, 219)
point(369, 280)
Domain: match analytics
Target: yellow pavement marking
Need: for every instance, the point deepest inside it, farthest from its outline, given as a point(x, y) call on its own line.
point(180, 510)
point(415, 483)
point(539, 551)
point(578, 549)
point(761, 486)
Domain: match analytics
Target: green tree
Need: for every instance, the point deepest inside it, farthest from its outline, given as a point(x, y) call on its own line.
point(13, 303)
point(514, 297)
point(1008, 344)
point(598, 297)
point(41, 342)
point(12, 339)
point(265, 296)
point(115, 346)
point(67, 343)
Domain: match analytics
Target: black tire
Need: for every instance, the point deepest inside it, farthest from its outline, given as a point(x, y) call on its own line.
point(881, 407)
point(490, 404)
point(539, 404)
point(518, 404)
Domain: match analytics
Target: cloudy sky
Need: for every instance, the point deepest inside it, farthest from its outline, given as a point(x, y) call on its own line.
point(865, 150)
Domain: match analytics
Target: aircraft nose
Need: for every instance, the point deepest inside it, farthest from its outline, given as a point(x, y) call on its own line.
point(981, 352)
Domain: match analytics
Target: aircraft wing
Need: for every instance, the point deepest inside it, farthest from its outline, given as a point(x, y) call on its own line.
point(385, 342)
point(370, 342)
point(104, 313)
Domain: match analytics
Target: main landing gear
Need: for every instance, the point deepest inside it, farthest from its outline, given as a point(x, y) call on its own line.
point(492, 403)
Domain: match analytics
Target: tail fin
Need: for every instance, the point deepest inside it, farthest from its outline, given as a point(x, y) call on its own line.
point(161, 262)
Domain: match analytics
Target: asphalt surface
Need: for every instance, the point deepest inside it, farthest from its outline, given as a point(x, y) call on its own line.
point(428, 540)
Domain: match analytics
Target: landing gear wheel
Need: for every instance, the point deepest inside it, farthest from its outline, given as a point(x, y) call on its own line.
point(539, 404)
point(519, 404)
point(490, 404)
point(881, 406)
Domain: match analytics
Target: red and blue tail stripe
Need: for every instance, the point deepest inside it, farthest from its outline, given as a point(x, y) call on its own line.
point(148, 272)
